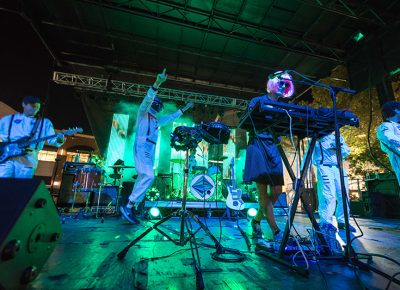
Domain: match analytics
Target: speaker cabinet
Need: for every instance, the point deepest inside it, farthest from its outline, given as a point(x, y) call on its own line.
point(29, 230)
point(66, 195)
point(108, 196)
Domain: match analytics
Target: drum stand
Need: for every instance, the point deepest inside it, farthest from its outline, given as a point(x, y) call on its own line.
point(186, 234)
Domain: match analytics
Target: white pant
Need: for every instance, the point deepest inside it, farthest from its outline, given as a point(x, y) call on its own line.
point(395, 162)
point(144, 162)
point(329, 193)
point(18, 167)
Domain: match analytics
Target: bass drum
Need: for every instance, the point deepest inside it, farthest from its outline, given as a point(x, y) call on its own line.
point(202, 187)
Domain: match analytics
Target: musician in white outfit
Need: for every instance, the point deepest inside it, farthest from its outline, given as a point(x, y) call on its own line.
point(16, 126)
point(147, 126)
point(388, 134)
point(329, 188)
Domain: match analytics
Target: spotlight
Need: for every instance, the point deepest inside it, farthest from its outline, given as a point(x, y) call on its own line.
point(154, 212)
point(358, 36)
point(251, 212)
point(153, 194)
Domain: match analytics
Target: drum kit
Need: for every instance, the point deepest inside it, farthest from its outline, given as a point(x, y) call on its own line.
point(90, 178)
point(204, 183)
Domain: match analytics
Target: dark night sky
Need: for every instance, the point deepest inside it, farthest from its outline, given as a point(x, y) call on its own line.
point(26, 69)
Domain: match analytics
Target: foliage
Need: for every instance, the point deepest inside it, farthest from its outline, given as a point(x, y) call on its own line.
point(366, 106)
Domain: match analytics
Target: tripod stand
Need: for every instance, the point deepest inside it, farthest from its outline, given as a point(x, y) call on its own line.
point(186, 234)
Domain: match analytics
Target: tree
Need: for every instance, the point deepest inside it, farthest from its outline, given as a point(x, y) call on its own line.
point(366, 106)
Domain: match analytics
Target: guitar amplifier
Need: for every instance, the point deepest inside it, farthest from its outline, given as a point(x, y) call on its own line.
point(66, 194)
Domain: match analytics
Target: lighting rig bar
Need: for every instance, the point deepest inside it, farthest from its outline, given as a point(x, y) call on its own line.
point(139, 90)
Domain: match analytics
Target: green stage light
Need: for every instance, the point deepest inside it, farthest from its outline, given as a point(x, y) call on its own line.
point(153, 194)
point(155, 212)
point(251, 212)
point(395, 71)
point(358, 36)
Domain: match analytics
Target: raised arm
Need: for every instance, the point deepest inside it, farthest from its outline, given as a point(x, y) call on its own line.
point(172, 117)
point(152, 91)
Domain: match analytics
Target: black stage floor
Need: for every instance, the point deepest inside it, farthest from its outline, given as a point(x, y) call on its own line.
point(85, 258)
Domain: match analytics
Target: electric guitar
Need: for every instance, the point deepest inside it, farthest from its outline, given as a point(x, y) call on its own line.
point(18, 147)
point(234, 199)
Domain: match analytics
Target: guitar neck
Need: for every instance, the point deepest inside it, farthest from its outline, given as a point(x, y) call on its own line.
point(27, 143)
point(233, 179)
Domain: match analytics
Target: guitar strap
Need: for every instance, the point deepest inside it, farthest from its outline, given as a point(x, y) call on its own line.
point(34, 129)
point(41, 121)
point(9, 127)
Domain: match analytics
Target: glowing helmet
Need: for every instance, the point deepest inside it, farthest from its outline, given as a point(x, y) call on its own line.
point(279, 83)
point(157, 105)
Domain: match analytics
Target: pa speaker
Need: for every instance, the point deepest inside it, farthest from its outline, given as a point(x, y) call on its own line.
point(29, 230)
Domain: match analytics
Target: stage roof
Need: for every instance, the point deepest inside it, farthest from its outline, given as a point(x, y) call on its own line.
point(224, 47)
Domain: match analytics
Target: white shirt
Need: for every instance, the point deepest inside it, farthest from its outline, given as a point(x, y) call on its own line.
point(389, 133)
point(147, 124)
point(22, 127)
point(325, 152)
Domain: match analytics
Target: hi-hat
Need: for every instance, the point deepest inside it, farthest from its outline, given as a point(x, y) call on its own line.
point(121, 166)
point(115, 176)
point(180, 161)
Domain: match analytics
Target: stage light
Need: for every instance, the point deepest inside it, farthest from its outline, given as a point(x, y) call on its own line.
point(395, 72)
point(251, 212)
point(153, 194)
point(358, 36)
point(155, 212)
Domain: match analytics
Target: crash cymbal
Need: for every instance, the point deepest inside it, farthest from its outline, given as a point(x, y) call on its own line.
point(180, 161)
point(121, 166)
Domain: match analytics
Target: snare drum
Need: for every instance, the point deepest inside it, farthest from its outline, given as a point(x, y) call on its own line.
point(88, 178)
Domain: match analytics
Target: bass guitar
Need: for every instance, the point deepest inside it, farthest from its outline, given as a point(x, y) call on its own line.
point(18, 147)
point(234, 199)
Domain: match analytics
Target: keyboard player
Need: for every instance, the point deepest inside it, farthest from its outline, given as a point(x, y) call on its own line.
point(263, 163)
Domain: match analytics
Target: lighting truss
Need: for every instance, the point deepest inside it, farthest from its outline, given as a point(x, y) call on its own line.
point(139, 90)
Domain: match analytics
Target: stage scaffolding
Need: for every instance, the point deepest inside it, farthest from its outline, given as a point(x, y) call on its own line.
point(139, 90)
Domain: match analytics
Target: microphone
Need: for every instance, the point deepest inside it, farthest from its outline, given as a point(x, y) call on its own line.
point(276, 74)
point(282, 84)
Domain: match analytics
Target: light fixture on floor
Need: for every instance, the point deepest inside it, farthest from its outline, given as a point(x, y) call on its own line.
point(154, 213)
point(251, 212)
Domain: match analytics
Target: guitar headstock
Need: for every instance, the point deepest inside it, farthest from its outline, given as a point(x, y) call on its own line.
point(72, 131)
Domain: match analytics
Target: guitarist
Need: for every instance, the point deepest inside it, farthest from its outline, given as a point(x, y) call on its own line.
point(26, 125)
point(263, 163)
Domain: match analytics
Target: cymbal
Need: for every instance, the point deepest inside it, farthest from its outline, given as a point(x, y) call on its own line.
point(199, 168)
point(121, 166)
point(180, 161)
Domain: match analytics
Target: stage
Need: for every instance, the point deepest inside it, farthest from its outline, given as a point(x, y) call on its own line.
point(85, 258)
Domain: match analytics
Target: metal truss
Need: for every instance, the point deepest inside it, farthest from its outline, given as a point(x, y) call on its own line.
point(139, 90)
point(216, 22)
